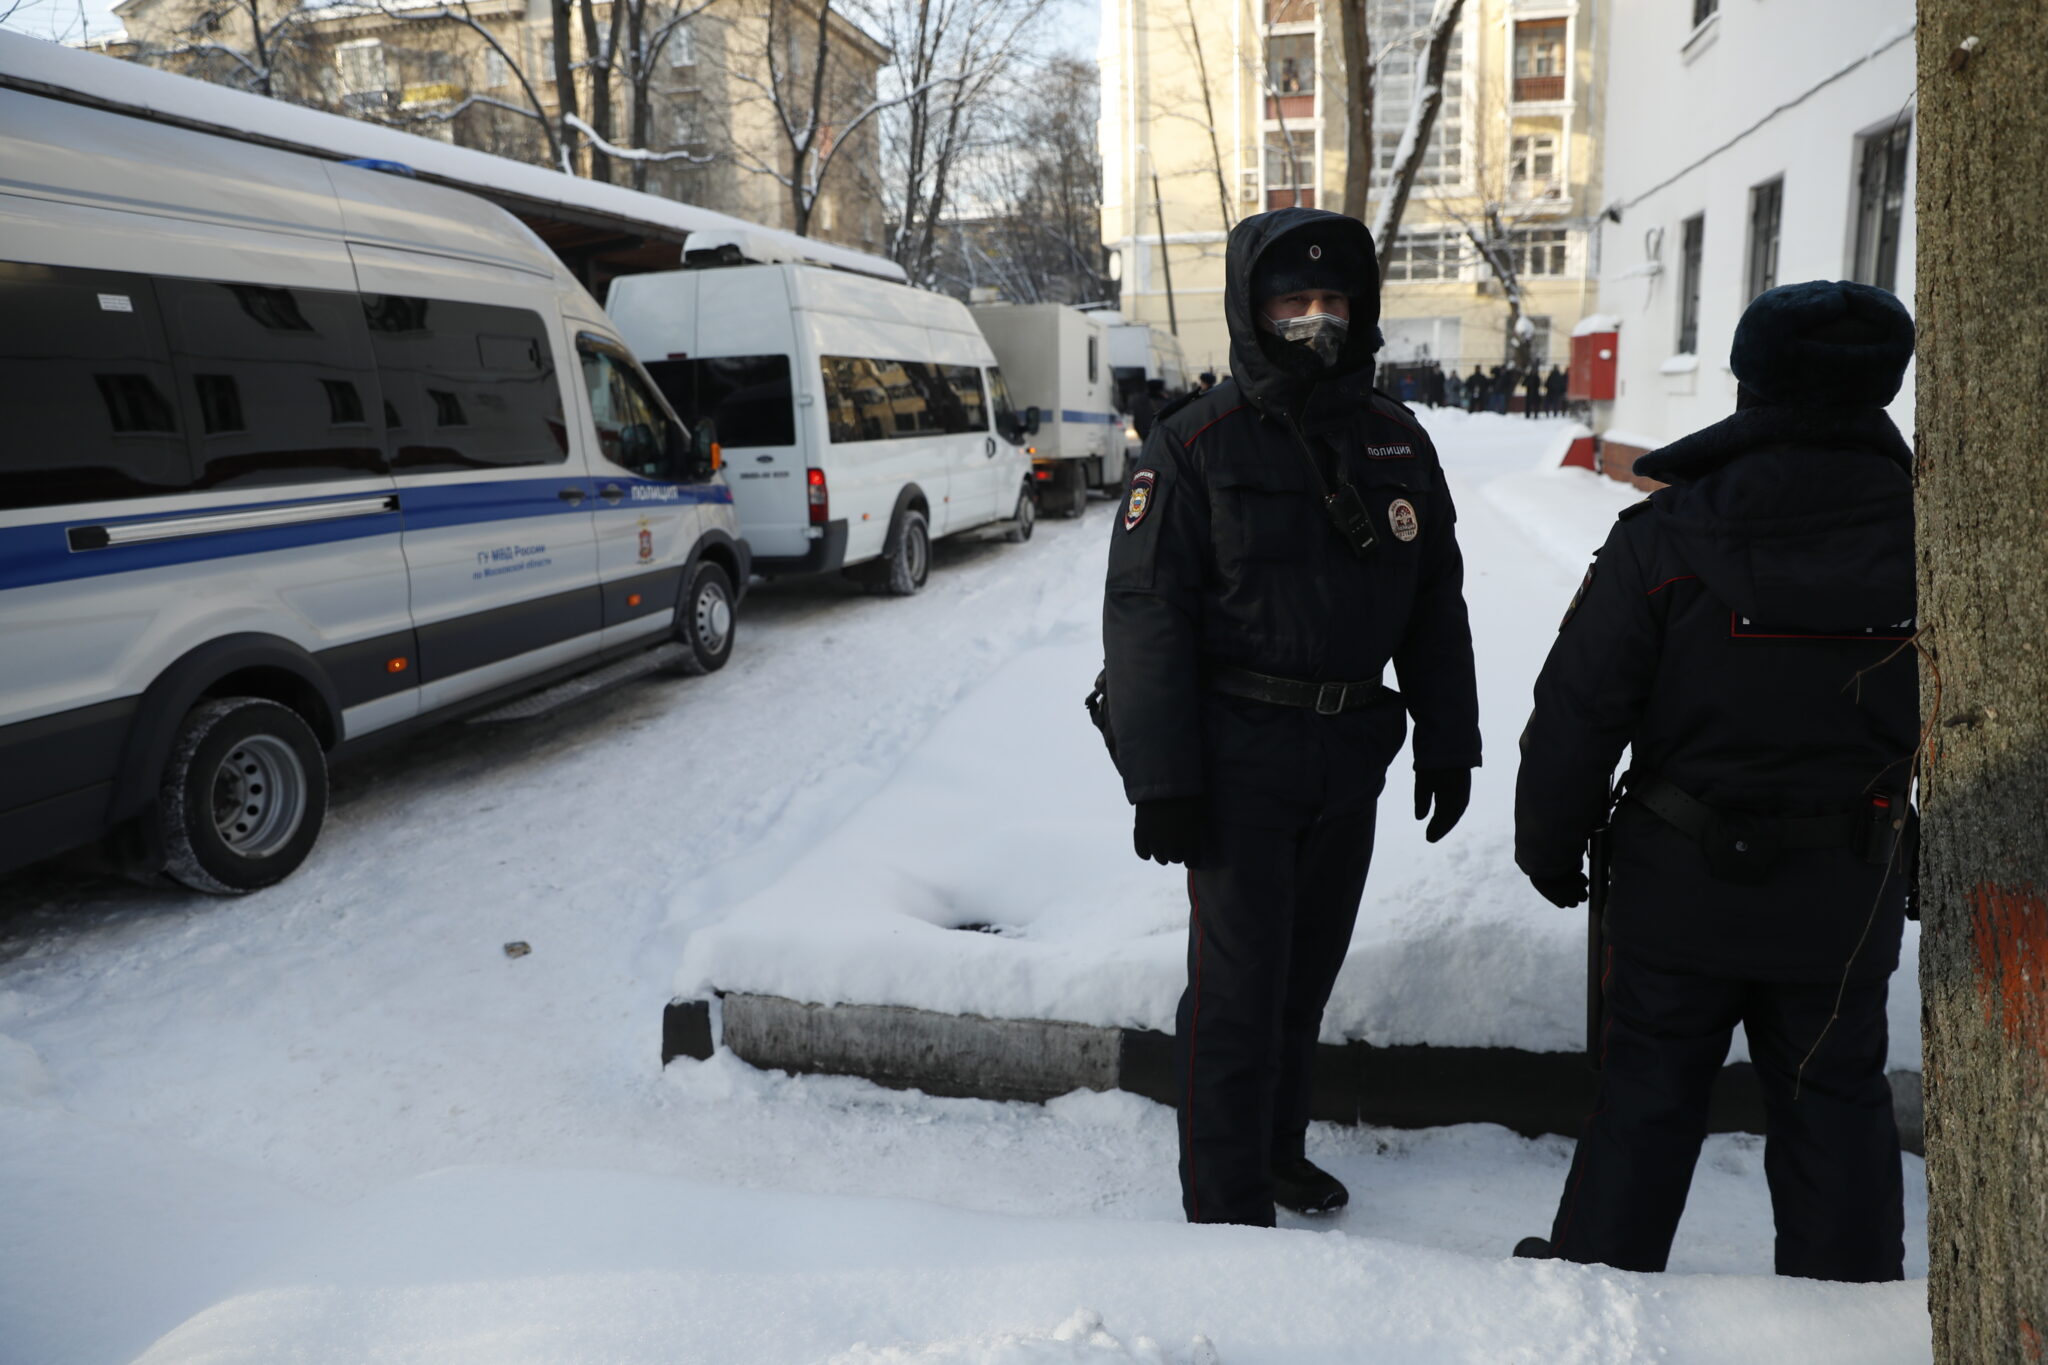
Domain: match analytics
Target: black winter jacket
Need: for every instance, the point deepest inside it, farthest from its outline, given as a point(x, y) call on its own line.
point(1746, 633)
point(1224, 555)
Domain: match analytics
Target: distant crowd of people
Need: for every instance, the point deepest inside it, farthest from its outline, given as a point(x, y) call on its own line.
point(1480, 391)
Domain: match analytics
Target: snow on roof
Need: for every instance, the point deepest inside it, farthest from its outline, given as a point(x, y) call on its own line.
point(51, 69)
point(1596, 322)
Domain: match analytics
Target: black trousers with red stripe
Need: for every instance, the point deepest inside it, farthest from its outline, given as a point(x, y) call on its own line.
point(1831, 1154)
point(1272, 911)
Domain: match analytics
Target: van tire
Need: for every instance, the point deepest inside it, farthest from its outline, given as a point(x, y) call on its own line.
point(906, 560)
point(235, 757)
point(1026, 518)
point(706, 622)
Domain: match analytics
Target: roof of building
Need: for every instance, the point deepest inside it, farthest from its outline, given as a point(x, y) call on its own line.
point(54, 70)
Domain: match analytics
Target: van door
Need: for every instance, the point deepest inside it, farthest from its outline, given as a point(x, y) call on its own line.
point(498, 538)
point(646, 515)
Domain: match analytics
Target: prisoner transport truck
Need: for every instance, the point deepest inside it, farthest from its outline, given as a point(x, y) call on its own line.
point(1055, 358)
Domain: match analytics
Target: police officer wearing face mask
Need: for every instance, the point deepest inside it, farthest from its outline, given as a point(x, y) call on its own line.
point(1285, 537)
point(1747, 634)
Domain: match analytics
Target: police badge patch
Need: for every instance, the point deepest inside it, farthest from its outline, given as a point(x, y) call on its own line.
point(1401, 517)
point(1141, 498)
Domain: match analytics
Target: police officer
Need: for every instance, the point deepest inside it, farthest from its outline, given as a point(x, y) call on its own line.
point(1746, 632)
point(1285, 537)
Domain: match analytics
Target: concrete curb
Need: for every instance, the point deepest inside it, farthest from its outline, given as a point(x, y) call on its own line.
point(967, 1056)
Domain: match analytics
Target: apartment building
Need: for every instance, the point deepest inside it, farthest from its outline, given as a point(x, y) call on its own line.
point(476, 75)
point(1217, 109)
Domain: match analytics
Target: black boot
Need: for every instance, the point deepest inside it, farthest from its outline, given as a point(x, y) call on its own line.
point(1532, 1249)
point(1301, 1185)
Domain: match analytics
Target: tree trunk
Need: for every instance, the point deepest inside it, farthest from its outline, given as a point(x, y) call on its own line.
point(1983, 549)
point(1358, 83)
point(565, 83)
point(1429, 97)
point(640, 64)
point(597, 61)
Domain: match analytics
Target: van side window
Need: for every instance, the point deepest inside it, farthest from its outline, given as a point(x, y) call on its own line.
point(632, 430)
point(263, 374)
point(878, 400)
point(1006, 414)
point(965, 383)
point(747, 397)
point(466, 385)
point(86, 389)
point(1094, 363)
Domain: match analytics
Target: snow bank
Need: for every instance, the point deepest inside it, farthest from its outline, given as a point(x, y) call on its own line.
point(993, 875)
point(1596, 322)
point(501, 1266)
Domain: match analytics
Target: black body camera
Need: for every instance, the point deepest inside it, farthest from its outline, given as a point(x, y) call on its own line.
point(1347, 513)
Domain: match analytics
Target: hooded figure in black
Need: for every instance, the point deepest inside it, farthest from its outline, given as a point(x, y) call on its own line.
point(1284, 538)
point(1747, 634)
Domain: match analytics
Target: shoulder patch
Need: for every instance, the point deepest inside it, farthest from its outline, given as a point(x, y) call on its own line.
point(1584, 583)
point(1634, 509)
point(1143, 494)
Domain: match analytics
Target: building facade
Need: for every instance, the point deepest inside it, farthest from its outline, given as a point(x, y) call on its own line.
point(1748, 143)
point(702, 104)
point(1216, 109)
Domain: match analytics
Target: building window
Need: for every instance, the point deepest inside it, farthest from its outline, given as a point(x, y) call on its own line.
point(1538, 251)
point(1532, 160)
point(1703, 10)
point(1290, 169)
point(682, 45)
point(1539, 60)
point(1766, 210)
point(1694, 241)
point(1291, 64)
point(1881, 206)
point(363, 70)
point(497, 70)
point(1394, 95)
point(1423, 255)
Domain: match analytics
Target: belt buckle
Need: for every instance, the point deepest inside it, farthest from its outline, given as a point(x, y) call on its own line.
point(1324, 691)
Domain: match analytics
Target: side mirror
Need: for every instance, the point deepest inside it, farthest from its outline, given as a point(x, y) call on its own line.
point(706, 458)
point(1031, 420)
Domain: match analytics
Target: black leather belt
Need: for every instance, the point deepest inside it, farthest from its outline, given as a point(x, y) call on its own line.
point(1743, 845)
point(1323, 698)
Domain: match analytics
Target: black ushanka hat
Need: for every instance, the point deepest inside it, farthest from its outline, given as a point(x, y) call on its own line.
point(1823, 343)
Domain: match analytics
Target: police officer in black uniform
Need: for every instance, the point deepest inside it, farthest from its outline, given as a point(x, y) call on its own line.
point(1747, 633)
point(1285, 536)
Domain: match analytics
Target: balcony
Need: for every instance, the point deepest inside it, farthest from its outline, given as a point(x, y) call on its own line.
point(1287, 199)
point(1290, 11)
point(1293, 108)
point(1538, 89)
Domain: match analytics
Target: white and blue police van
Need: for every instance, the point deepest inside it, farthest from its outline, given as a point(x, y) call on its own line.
point(1055, 359)
point(862, 418)
point(294, 455)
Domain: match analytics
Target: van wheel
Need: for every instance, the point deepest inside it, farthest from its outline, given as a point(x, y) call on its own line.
point(1026, 519)
point(906, 560)
point(1077, 501)
point(705, 622)
point(243, 796)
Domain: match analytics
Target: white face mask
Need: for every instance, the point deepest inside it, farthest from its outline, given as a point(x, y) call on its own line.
point(1322, 333)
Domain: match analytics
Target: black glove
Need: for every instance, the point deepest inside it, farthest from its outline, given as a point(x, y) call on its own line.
point(1451, 788)
point(1561, 889)
point(1169, 830)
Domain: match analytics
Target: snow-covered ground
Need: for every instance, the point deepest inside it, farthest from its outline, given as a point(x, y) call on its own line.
point(334, 1122)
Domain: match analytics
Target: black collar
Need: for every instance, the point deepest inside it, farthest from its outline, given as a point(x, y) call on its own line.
point(1761, 428)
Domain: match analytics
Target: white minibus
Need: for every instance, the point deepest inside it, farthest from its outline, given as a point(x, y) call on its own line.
point(861, 418)
point(296, 455)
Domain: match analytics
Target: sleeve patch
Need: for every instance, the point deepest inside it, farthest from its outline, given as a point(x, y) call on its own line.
point(1144, 492)
point(1578, 597)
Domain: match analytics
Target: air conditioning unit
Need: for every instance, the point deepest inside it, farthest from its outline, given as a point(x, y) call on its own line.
point(1248, 186)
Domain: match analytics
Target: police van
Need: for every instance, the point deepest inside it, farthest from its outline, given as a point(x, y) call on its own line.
point(862, 418)
point(295, 454)
point(1054, 358)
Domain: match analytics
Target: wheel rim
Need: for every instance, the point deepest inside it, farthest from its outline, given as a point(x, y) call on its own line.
point(1027, 513)
point(714, 619)
point(916, 554)
point(259, 796)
